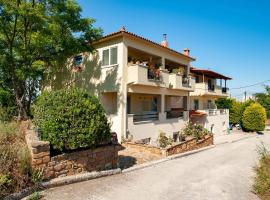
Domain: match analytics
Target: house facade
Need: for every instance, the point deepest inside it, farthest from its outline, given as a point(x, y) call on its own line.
point(144, 87)
point(209, 86)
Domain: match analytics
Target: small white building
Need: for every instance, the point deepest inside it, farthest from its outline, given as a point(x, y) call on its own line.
point(143, 86)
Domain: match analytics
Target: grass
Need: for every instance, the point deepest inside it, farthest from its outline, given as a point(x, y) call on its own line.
point(15, 168)
point(262, 179)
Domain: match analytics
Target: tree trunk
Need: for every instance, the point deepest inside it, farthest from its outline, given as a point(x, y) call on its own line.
point(22, 110)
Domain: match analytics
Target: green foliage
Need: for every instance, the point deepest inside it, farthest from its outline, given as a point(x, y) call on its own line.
point(224, 103)
point(235, 113)
point(35, 37)
point(262, 178)
point(264, 100)
point(71, 119)
point(194, 130)
point(163, 140)
point(37, 176)
point(254, 118)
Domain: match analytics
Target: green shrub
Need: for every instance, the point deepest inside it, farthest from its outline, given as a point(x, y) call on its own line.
point(71, 119)
point(7, 113)
point(195, 130)
point(254, 118)
point(224, 103)
point(235, 113)
point(163, 140)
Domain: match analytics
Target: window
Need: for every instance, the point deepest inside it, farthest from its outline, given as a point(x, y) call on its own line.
point(113, 56)
point(105, 57)
point(109, 56)
point(78, 59)
point(197, 79)
point(196, 104)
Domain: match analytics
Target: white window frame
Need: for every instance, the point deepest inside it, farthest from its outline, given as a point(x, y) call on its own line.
point(109, 65)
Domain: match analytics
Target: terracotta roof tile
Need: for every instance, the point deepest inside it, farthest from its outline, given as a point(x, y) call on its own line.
point(122, 31)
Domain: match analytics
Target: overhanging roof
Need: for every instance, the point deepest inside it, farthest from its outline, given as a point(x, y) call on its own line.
point(124, 32)
point(209, 73)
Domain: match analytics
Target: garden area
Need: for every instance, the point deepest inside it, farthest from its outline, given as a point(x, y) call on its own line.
point(191, 137)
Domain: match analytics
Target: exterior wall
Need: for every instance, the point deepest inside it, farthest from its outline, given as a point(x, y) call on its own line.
point(70, 163)
point(142, 130)
point(203, 101)
point(217, 122)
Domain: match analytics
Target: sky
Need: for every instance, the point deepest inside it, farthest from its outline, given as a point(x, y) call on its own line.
point(231, 37)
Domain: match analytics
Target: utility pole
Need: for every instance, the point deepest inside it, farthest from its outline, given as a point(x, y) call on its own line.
point(245, 93)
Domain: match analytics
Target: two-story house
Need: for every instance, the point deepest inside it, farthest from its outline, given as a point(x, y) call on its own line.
point(209, 86)
point(143, 86)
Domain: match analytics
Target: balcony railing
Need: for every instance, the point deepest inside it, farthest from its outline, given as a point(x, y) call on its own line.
point(174, 114)
point(151, 116)
point(225, 90)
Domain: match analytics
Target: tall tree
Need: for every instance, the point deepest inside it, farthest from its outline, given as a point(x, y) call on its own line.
point(264, 100)
point(36, 36)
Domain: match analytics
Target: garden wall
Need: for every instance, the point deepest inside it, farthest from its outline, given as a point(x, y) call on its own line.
point(66, 164)
point(174, 149)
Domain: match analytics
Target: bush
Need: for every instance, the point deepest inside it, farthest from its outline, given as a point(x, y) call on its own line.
point(235, 113)
point(195, 130)
point(224, 103)
point(71, 119)
point(254, 118)
point(163, 140)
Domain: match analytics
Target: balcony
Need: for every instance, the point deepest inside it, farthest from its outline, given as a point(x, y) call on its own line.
point(202, 89)
point(140, 75)
point(178, 82)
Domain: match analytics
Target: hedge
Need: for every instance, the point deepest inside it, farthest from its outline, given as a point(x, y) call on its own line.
point(254, 118)
point(71, 119)
point(235, 112)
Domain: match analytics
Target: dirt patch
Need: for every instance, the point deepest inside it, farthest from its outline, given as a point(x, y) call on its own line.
point(129, 157)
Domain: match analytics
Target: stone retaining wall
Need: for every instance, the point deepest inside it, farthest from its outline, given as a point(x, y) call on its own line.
point(175, 149)
point(189, 145)
point(66, 164)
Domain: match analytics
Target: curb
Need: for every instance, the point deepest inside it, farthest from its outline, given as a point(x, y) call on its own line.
point(153, 163)
point(63, 181)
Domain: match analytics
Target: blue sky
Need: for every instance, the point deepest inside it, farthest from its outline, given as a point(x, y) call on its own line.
point(229, 36)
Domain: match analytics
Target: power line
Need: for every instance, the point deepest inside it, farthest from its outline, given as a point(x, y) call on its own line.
point(249, 85)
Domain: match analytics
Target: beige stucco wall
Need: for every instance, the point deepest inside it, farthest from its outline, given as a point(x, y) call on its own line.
point(152, 129)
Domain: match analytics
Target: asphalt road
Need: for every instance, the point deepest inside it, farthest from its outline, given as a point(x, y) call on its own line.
point(223, 172)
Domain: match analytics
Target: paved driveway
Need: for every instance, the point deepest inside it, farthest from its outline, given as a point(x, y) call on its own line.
point(223, 172)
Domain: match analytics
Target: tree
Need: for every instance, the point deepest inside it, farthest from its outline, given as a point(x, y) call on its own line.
point(264, 100)
point(224, 103)
point(254, 118)
point(235, 112)
point(35, 37)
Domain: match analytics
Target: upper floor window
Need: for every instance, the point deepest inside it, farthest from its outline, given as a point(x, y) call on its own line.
point(109, 56)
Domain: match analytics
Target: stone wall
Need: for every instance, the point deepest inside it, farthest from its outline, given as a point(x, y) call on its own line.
point(66, 164)
point(189, 145)
point(174, 149)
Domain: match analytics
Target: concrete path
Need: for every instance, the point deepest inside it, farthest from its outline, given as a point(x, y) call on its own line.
point(223, 172)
